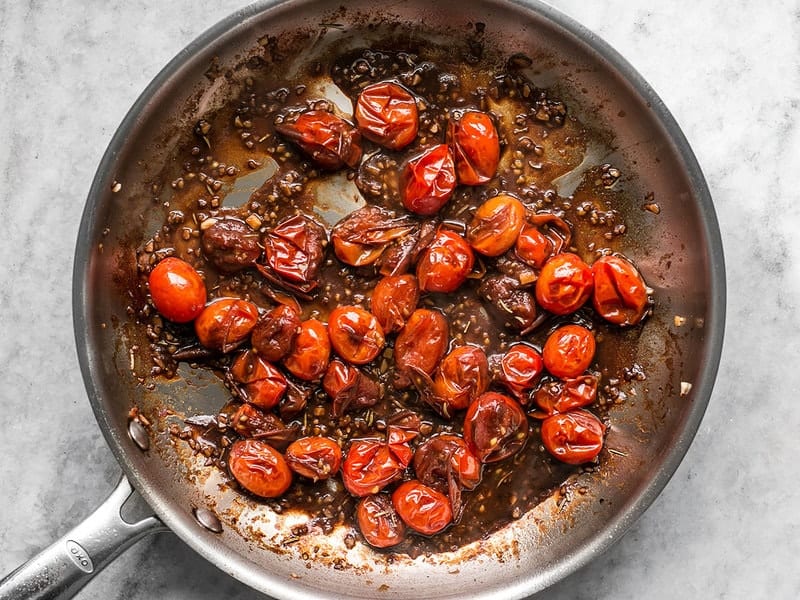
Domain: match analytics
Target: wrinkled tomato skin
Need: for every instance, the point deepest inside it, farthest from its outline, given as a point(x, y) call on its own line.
point(349, 388)
point(259, 468)
point(462, 376)
point(314, 457)
point(355, 334)
point(330, 141)
point(178, 291)
point(379, 522)
point(444, 452)
point(393, 300)
point(428, 180)
point(564, 285)
point(294, 249)
point(445, 264)
point(569, 351)
point(263, 383)
point(520, 369)
point(532, 247)
point(422, 508)
point(564, 395)
point(312, 351)
point(387, 114)
point(225, 323)
point(575, 437)
point(476, 147)
point(423, 341)
point(620, 293)
point(274, 333)
point(495, 427)
point(369, 466)
point(495, 227)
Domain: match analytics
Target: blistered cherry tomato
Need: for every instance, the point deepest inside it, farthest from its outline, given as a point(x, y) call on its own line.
point(225, 323)
point(574, 437)
point(496, 225)
point(520, 369)
point(274, 333)
point(620, 293)
point(361, 237)
point(231, 244)
point(444, 456)
point(462, 376)
point(564, 395)
point(564, 285)
point(533, 247)
point(349, 388)
point(421, 507)
point(312, 351)
point(263, 384)
point(569, 351)
point(294, 249)
point(252, 422)
point(259, 468)
point(379, 522)
point(355, 334)
point(315, 457)
point(386, 113)
point(445, 263)
point(422, 342)
point(429, 179)
point(178, 291)
point(328, 140)
point(393, 300)
point(476, 147)
point(495, 427)
point(369, 466)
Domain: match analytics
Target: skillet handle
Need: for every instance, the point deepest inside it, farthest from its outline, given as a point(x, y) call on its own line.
point(63, 568)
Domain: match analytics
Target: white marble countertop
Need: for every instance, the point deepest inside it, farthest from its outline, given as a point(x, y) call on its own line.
point(728, 523)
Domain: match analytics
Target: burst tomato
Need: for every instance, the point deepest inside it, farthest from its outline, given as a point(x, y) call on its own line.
point(355, 334)
point(564, 285)
point(462, 376)
point(379, 522)
point(422, 508)
point(386, 113)
point(574, 437)
point(393, 300)
point(429, 179)
point(620, 293)
point(274, 333)
point(225, 323)
point(569, 351)
point(496, 225)
point(476, 146)
point(312, 350)
point(259, 468)
point(564, 395)
point(495, 427)
point(445, 263)
point(314, 457)
point(421, 343)
point(520, 369)
point(328, 140)
point(263, 384)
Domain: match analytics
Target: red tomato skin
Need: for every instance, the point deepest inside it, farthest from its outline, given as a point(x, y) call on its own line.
point(387, 114)
point(355, 334)
point(496, 225)
point(564, 285)
point(574, 437)
point(309, 358)
point(178, 291)
point(564, 395)
point(369, 466)
point(259, 468)
point(225, 323)
point(569, 351)
point(520, 369)
point(532, 247)
point(495, 427)
point(314, 457)
point(476, 147)
point(422, 342)
point(422, 508)
point(428, 180)
point(620, 293)
point(394, 298)
point(379, 522)
point(462, 376)
point(445, 263)
point(263, 383)
point(330, 141)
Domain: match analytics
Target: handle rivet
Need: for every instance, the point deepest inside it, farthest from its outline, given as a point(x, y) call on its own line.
point(139, 435)
point(207, 519)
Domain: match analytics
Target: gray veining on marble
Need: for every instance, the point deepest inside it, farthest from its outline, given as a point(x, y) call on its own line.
point(726, 526)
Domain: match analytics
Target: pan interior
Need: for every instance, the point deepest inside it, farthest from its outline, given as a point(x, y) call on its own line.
point(678, 251)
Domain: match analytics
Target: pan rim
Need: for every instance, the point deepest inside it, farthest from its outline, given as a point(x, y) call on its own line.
point(238, 565)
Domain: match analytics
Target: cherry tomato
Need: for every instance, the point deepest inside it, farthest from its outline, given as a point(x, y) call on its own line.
point(564, 284)
point(495, 427)
point(421, 507)
point(315, 457)
point(361, 237)
point(264, 385)
point(620, 293)
point(566, 394)
point(533, 247)
point(496, 225)
point(444, 456)
point(274, 333)
point(569, 351)
point(369, 466)
point(386, 113)
point(252, 422)
point(295, 248)
point(231, 244)
point(421, 344)
point(225, 323)
point(355, 334)
point(378, 521)
point(429, 179)
point(349, 388)
point(328, 140)
point(462, 376)
point(476, 146)
point(445, 263)
point(312, 351)
point(393, 300)
point(178, 291)
point(574, 437)
point(520, 369)
point(259, 468)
